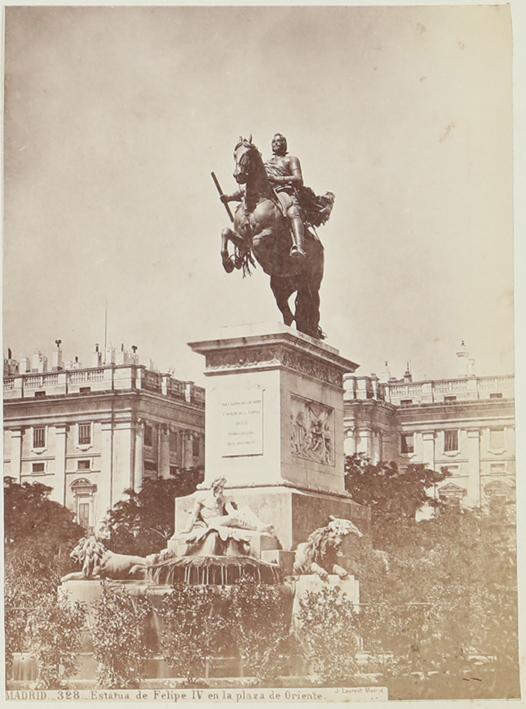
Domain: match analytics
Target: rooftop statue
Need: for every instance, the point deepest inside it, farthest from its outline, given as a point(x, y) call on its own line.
point(275, 223)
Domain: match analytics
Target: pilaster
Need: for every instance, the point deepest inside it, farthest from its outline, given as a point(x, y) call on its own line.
point(164, 452)
point(428, 449)
point(16, 453)
point(59, 488)
point(473, 498)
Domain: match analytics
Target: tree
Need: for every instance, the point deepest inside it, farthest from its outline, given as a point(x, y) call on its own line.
point(392, 493)
point(143, 523)
point(38, 534)
point(447, 601)
point(31, 518)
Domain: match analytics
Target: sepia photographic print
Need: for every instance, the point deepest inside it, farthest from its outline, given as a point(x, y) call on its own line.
point(259, 354)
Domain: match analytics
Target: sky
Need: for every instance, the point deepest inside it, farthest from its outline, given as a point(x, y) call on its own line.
point(114, 118)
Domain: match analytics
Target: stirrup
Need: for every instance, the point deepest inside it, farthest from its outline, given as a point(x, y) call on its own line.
point(296, 252)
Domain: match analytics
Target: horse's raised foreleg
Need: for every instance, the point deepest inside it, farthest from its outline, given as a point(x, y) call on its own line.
point(282, 289)
point(226, 236)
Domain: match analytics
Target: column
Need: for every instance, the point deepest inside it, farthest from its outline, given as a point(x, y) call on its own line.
point(164, 452)
point(16, 454)
point(364, 441)
point(349, 442)
point(473, 455)
point(188, 459)
point(428, 449)
point(138, 464)
point(59, 488)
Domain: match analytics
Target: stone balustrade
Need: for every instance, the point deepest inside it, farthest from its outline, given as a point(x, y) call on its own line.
point(404, 393)
point(101, 379)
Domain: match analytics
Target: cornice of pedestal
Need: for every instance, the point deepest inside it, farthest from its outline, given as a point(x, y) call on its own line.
point(271, 346)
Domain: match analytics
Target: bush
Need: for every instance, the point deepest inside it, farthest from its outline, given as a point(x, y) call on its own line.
point(120, 638)
point(326, 629)
point(261, 622)
point(195, 626)
point(53, 633)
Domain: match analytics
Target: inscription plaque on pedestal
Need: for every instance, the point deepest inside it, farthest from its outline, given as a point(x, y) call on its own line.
point(242, 422)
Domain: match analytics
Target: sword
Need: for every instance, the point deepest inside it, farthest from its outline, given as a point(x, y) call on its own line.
point(218, 186)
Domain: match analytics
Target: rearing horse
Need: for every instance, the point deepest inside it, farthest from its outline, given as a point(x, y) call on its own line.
point(260, 228)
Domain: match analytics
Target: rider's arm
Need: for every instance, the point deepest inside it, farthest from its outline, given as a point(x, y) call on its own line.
point(234, 197)
point(295, 178)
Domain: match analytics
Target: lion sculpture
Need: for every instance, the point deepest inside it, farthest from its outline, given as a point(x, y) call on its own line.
point(319, 553)
point(99, 562)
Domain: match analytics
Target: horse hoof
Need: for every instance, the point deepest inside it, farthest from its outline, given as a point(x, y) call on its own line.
point(228, 265)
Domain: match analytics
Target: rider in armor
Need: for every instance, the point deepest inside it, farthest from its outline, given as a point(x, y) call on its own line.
point(284, 173)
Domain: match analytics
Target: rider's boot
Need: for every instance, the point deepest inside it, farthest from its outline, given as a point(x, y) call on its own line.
point(297, 249)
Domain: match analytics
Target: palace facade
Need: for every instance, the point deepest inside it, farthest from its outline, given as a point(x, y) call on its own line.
point(91, 432)
point(465, 424)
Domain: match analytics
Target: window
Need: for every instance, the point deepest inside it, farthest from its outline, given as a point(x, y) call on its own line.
point(148, 435)
point(407, 444)
point(195, 446)
point(84, 434)
point(449, 399)
point(498, 468)
point(451, 441)
point(174, 440)
point(40, 394)
point(83, 464)
point(84, 390)
point(38, 467)
point(39, 437)
point(406, 402)
point(496, 438)
point(150, 469)
point(83, 514)
point(495, 395)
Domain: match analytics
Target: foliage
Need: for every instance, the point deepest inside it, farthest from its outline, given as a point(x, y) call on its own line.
point(120, 637)
point(39, 535)
point(53, 632)
point(27, 581)
point(143, 523)
point(261, 618)
point(195, 626)
point(37, 527)
point(390, 491)
point(326, 629)
point(447, 600)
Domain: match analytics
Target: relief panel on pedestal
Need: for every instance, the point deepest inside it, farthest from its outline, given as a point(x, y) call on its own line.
point(312, 430)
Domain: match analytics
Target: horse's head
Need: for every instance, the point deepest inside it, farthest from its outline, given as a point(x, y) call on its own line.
point(247, 159)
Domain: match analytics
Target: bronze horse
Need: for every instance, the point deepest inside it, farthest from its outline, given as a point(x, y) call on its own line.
point(261, 229)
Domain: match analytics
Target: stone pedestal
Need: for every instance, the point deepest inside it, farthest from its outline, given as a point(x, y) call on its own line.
point(274, 409)
point(274, 428)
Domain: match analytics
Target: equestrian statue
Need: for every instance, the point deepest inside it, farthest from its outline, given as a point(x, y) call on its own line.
point(275, 222)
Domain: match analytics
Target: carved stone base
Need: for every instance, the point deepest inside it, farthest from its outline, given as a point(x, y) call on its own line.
point(293, 513)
